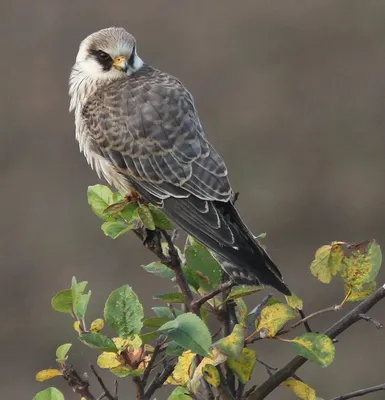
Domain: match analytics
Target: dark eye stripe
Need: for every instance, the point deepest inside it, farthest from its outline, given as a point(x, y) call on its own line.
point(103, 58)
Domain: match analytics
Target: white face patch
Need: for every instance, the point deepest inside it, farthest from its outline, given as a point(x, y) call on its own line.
point(92, 68)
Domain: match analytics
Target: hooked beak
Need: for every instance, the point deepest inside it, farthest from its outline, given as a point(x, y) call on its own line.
point(120, 63)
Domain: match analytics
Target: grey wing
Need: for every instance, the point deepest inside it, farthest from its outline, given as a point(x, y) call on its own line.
point(150, 132)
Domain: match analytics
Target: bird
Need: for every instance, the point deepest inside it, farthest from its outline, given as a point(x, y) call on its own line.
point(138, 127)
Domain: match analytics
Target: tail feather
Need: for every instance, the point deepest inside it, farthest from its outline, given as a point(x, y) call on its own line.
point(245, 261)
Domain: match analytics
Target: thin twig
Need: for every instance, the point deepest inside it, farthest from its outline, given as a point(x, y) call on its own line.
point(365, 317)
point(107, 393)
point(270, 370)
point(195, 305)
point(361, 392)
point(150, 364)
point(306, 324)
point(340, 326)
point(176, 266)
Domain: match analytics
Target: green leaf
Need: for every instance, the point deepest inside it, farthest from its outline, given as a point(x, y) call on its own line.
point(123, 371)
point(316, 347)
point(196, 280)
point(61, 352)
point(199, 259)
point(157, 268)
point(327, 262)
point(98, 341)
point(243, 366)
point(242, 291)
point(99, 198)
point(128, 212)
point(294, 301)
point(160, 220)
point(173, 349)
point(149, 337)
point(232, 345)
point(363, 265)
point(77, 289)
point(82, 305)
point(154, 322)
point(50, 393)
point(123, 312)
point(300, 388)
point(241, 309)
point(179, 393)
point(173, 297)
point(114, 229)
point(62, 301)
point(359, 293)
point(190, 332)
point(145, 216)
point(273, 318)
point(211, 375)
point(165, 312)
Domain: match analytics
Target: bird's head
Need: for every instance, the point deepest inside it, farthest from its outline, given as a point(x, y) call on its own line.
point(107, 54)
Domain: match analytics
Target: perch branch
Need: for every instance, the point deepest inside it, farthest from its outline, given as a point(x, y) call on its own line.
point(361, 392)
point(340, 326)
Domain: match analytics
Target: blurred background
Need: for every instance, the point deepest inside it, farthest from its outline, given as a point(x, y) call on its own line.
point(292, 95)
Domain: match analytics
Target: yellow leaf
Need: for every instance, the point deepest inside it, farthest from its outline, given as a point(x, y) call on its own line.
point(359, 293)
point(109, 360)
point(232, 345)
point(241, 309)
point(131, 344)
point(47, 374)
point(303, 391)
point(294, 301)
point(362, 265)
point(216, 357)
point(77, 327)
point(97, 325)
point(316, 347)
point(211, 375)
point(273, 318)
point(327, 262)
point(181, 373)
point(243, 366)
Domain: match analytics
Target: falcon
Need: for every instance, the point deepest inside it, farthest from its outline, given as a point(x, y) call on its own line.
point(139, 129)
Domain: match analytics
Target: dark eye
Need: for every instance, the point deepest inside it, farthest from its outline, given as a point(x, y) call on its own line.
point(102, 56)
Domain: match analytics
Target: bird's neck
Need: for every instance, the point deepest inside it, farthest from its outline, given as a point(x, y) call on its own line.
point(81, 87)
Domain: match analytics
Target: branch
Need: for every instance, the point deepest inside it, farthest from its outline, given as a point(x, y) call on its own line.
point(158, 381)
point(107, 394)
point(197, 304)
point(152, 241)
point(79, 385)
point(361, 392)
point(340, 326)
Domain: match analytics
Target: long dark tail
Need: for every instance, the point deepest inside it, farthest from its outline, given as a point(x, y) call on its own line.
point(242, 257)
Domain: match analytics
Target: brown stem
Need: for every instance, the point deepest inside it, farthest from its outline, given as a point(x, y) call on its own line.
point(340, 326)
point(78, 384)
point(158, 381)
point(139, 387)
point(106, 393)
point(197, 304)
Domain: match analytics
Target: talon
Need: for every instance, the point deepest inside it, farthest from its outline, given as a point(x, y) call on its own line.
point(132, 197)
